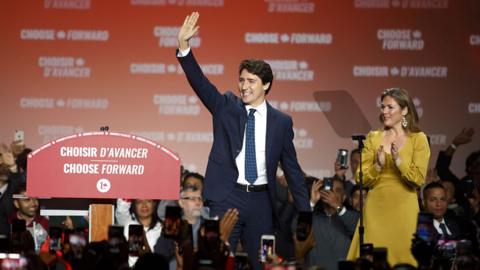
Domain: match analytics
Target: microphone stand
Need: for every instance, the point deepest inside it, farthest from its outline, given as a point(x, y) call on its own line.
point(361, 228)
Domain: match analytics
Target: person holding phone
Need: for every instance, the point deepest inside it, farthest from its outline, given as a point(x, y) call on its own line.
point(332, 226)
point(10, 179)
point(395, 161)
point(139, 212)
point(250, 139)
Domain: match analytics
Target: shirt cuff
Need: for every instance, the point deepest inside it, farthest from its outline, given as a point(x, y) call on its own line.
point(343, 211)
point(312, 205)
point(183, 53)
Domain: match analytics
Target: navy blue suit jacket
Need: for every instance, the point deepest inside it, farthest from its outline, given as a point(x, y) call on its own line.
point(229, 119)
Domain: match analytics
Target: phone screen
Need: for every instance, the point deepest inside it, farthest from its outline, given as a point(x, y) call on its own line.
point(55, 234)
point(135, 239)
point(304, 225)
point(115, 231)
point(171, 228)
point(267, 247)
point(327, 183)
point(425, 226)
point(212, 231)
point(241, 261)
point(342, 158)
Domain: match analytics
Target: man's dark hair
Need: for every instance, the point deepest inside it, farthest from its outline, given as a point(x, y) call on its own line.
point(432, 185)
point(20, 188)
point(260, 68)
point(356, 188)
point(354, 151)
point(471, 160)
point(194, 175)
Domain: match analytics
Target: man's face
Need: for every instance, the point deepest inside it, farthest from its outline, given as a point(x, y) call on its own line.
point(354, 161)
point(191, 203)
point(194, 182)
point(338, 189)
point(355, 199)
point(436, 202)
point(26, 206)
point(251, 88)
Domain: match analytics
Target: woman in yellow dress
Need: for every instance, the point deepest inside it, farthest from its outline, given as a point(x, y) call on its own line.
point(395, 161)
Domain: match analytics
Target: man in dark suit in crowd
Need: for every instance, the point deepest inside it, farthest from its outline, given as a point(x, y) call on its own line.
point(435, 202)
point(250, 139)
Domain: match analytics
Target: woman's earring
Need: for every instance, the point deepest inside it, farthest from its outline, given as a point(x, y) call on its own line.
point(404, 122)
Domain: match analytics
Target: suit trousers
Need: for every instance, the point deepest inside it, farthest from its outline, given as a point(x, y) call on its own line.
point(255, 218)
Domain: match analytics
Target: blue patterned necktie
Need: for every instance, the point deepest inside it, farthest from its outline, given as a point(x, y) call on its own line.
point(250, 158)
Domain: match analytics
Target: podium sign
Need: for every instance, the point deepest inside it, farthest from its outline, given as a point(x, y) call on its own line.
point(104, 165)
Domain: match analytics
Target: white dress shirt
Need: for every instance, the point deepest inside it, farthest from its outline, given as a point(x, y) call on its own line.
point(260, 143)
point(437, 223)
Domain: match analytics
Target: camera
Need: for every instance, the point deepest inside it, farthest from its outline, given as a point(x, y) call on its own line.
point(342, 158)
point(327, 183)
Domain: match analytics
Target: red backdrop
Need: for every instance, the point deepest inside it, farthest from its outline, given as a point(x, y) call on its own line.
point(71, 66)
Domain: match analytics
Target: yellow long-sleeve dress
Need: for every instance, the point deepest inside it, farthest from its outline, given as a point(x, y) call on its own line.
point(391, 207)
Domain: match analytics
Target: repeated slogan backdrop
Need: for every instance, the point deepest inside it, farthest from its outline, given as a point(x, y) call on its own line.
point(71, 66)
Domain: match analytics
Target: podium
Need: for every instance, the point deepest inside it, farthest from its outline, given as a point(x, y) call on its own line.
point(101, 216)
point(103, 165)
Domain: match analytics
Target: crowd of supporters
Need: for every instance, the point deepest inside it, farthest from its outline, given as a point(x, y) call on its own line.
point(152, 234)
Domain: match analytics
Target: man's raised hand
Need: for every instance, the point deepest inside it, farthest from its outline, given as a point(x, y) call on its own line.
point(188, 30)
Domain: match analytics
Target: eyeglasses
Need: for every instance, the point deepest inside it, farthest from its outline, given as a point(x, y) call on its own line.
point(192, 198)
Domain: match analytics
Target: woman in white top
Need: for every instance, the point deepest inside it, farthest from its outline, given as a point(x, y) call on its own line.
point(139, 212)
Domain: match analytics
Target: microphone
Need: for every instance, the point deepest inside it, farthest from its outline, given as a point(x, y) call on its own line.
point(358, 137)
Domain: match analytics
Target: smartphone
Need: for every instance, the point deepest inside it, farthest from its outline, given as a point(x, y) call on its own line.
point(115, 232)
point(135, 239)
point(304, 225)
point(55, 234)
point(19, 136)
point(185, 234)
point(4, 243)
point(342, 158)
point(241, 261)
point(425, 229)
point(116, 239)
point(327, 183)
point(172, 220)
point(267, 246)
point(212, 230)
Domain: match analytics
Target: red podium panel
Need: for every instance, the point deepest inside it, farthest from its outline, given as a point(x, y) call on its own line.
point(104, 165)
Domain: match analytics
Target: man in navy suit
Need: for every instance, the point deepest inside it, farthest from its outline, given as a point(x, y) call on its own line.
point(250, 139)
